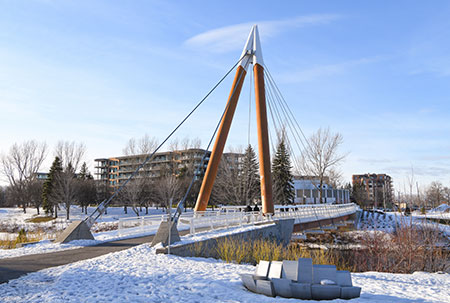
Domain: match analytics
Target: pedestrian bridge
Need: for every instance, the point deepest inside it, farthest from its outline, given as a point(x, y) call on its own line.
point(307, 218)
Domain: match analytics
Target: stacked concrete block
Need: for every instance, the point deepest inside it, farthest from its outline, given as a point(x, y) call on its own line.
point(275, 269)
point(301, 284)
point(348, 291)
point(324, 285)
point(261, 273)
point(262, 270)
point(265, 287)
point(302, 280)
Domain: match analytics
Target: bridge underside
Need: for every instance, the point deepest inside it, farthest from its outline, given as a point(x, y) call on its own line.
point(299, 227)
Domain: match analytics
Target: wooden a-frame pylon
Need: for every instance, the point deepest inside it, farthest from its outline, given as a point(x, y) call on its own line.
point(251, 54)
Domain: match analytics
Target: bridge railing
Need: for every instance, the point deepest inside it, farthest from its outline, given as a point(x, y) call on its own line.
point(219, 219)
point(141, 224)
point(314, 212)
point(224, 219)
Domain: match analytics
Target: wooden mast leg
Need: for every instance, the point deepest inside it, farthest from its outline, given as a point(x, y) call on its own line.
point(216, 155)
point(263, 141)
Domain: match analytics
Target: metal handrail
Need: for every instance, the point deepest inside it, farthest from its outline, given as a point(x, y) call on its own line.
point(220, 219)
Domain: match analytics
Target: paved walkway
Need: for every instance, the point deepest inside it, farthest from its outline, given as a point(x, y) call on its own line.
point(13, 268)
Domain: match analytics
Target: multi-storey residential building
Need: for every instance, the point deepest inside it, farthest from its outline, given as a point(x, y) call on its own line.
point(376, 190)
point(307, 191)
point(112, 172)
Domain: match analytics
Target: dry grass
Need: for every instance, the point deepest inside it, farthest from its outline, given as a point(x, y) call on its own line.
point(22, 237)
point(409, 249)
point(40, 219)
point(242, 251)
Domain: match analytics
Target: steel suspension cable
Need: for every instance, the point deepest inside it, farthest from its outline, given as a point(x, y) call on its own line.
point(284, 100)
point(272, 104)
point(104, 203)
point(180, 205)
point(287, 117)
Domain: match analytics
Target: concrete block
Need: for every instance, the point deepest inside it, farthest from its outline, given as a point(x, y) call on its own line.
point(162, 235)
point(325, 292)
point(77, 230)
point(265, 287)
point(249, 282)
point(324, 272)
point(262, 269)
point(289, 270)
point(350, 292)
point(305, 271)
point(282, 287)
point(301, 290)
point(275, 269)
point(343, 278)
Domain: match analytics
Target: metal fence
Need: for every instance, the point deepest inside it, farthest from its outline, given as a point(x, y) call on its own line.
point(235, 216)
point(136, 225)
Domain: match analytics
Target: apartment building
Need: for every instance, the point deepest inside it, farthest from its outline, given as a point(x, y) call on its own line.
point(112, 172)
point(376, 190)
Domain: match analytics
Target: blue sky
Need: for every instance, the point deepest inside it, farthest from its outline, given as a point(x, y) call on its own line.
point(102, 72)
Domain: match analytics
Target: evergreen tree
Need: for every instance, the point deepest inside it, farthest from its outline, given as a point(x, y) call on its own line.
point(55, 169)
point(283, 184)
point(250, 176)
point(87, 192)
point(84, 172)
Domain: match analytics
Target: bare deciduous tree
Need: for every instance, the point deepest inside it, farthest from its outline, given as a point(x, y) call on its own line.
point(70, 153)
point(2, 196)
point(20, 166)
point(145, 145)
point(35, 193)
point(435, 194)
point(168, 190)
point(228, 186)
point(135, 194)
point(321, 155)
point(65, 189)
point(335, 178)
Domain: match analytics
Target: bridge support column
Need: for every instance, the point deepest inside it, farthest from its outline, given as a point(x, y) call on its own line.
point(216, 154)
point(263, 141)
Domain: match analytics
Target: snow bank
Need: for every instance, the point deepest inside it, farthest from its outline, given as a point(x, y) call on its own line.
point(443, 208)
point(139, 275)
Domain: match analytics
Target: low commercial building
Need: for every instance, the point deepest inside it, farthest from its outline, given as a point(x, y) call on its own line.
point(307, 191)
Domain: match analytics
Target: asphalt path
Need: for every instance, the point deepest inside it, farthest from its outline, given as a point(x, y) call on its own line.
point(13, 268)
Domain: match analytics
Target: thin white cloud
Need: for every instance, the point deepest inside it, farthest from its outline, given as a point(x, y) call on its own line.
point(230, 38)
point(320, 71)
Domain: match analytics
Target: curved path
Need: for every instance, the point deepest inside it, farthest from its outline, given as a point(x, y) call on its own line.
point(13, 268)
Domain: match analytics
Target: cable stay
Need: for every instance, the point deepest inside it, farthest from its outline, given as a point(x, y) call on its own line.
point(284, 119)
point(102, 206)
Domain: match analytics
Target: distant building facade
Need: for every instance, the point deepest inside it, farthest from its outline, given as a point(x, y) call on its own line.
point(41, 176)
point(307, 191)
point(112, 172)
point(374, 190)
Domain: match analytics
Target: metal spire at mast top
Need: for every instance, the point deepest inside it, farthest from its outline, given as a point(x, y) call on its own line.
point(251, 54)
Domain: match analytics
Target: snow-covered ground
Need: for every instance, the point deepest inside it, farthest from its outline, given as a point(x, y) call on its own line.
point(47, 246)
point(14, 218)
point(389, 221)
point(139, 275)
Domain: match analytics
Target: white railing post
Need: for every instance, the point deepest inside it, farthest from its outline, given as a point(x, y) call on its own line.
point(192, 226)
